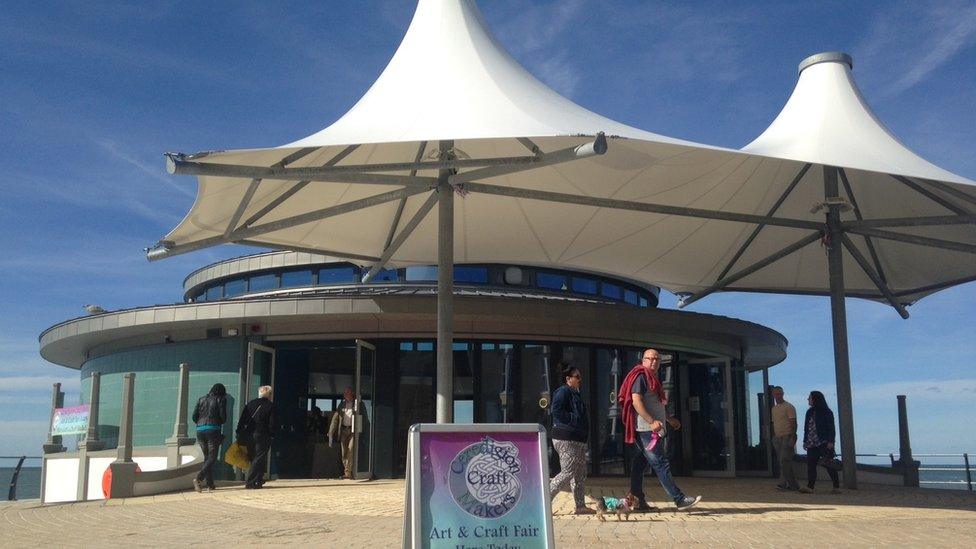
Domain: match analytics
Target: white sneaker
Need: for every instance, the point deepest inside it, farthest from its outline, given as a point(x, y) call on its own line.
point(688, 503)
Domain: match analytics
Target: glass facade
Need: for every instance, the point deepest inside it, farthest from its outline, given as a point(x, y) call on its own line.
point(494, 381)
point(156, 385)
point(347, 274)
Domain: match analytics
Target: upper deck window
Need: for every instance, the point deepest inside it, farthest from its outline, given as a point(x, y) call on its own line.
point(291, 279)
point(346, 274)
point(551, 281)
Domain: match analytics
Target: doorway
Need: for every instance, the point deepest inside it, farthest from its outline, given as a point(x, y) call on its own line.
point(362, 428)
point(707, 396)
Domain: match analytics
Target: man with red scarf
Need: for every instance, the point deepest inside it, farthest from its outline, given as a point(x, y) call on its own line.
point(643, 403)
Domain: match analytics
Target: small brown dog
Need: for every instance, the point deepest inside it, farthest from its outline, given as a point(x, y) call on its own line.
point(621, 506)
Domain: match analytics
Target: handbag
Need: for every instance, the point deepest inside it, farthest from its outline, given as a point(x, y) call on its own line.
point(829, 460)
point(236, 456)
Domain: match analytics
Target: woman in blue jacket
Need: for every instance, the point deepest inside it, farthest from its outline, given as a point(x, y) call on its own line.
point(818, 440)
point(570, 429)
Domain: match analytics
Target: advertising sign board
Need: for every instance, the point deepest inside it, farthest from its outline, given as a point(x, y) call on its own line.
point(477, 485)
point(70, 421)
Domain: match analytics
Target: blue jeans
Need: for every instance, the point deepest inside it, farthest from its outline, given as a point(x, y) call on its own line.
point(659, 462)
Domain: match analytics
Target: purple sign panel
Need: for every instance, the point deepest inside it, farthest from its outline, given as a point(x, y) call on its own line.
point(70, 421)
point(483, 488)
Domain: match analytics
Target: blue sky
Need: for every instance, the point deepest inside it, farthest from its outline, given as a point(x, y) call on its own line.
point(93, 93)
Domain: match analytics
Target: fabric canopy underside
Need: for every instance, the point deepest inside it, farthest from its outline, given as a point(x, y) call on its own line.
point(489, 102)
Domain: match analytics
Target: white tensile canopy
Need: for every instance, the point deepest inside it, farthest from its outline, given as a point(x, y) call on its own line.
point(544, 181)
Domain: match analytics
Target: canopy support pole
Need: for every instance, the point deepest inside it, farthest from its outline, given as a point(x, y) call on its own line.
point(164, 249)
point(948, 189)
point(867, 239)
point(401, 238)
point(615, 204)
point(403, 201)
point(445, 291)
point(873, 275)
point(931, 195)
point(910, 221)
point(762, 263)
point(838, 315)
point(295, 188)
point(914, 239)
point(755, 232)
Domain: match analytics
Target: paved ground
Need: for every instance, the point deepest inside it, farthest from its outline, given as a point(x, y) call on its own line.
point(735, 512)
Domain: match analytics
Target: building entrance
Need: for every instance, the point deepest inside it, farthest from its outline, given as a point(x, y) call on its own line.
point(317, 436)
point(708, 392)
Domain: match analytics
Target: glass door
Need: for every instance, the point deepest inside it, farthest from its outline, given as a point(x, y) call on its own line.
point(260, 370)
point(708, 401)
point(362, 426)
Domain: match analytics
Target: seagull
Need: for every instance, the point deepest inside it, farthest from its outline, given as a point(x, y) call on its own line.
point(94, 309)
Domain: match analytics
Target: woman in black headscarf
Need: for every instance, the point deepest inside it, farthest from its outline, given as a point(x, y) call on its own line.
point(818, 440)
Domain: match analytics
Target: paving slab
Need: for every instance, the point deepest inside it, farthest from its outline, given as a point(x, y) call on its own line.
point(332, 513)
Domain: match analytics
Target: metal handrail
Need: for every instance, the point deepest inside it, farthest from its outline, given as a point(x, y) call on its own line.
point(966, 466)
point(12, 490)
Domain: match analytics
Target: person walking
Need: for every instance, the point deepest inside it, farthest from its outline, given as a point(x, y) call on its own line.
point(255, 429)
point(210, 415)
point(570, 430)
point(784, 439)
point(644, 416)
point(818, 440)
point(341, 427)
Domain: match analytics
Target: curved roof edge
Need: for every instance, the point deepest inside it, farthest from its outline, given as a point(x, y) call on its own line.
point(71, 343)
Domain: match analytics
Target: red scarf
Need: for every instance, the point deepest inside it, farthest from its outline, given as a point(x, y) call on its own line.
point(628, 415)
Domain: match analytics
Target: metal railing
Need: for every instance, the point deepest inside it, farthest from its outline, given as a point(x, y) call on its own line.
point(12, 490)
point(966, 467)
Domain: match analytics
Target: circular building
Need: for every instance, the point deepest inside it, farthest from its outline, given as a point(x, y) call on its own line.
point(306, 324)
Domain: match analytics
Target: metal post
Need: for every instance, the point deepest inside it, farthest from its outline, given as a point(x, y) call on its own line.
point(969, 474)
point(12, 491)
point(53, 444)
point(838, 313)
point(125, 423)
point(179, 437)
point(123, 469)
point(445, 291)
point(92, 442)
point(909, 472)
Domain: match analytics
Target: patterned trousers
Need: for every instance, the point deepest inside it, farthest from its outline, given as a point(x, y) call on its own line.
point(572, 461)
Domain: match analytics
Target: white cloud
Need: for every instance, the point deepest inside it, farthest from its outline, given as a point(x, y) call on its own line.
point(943, 391)
point(908, 41)
point(156, 172)
point(532, 34)
point(19, 384)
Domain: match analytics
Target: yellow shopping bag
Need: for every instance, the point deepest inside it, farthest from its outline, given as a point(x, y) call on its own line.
point(236, 456)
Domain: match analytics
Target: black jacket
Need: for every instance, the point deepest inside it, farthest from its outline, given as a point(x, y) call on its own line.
point(210, 410)
point(569, 418)
point(256, 420)
point(823, 419)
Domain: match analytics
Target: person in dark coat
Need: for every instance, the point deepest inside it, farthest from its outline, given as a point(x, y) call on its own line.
point(255, 429)
point(570, 430)
point(210, 416)
point(818, 440)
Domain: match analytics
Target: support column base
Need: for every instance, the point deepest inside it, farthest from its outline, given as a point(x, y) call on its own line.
point(91, 445)
point(53, 448)
point(123, 478)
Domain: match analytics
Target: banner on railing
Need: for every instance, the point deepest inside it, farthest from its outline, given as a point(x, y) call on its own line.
point(70, 421)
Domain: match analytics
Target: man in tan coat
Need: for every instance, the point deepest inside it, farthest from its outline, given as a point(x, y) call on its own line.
point(341, 427)
point(784, 438)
